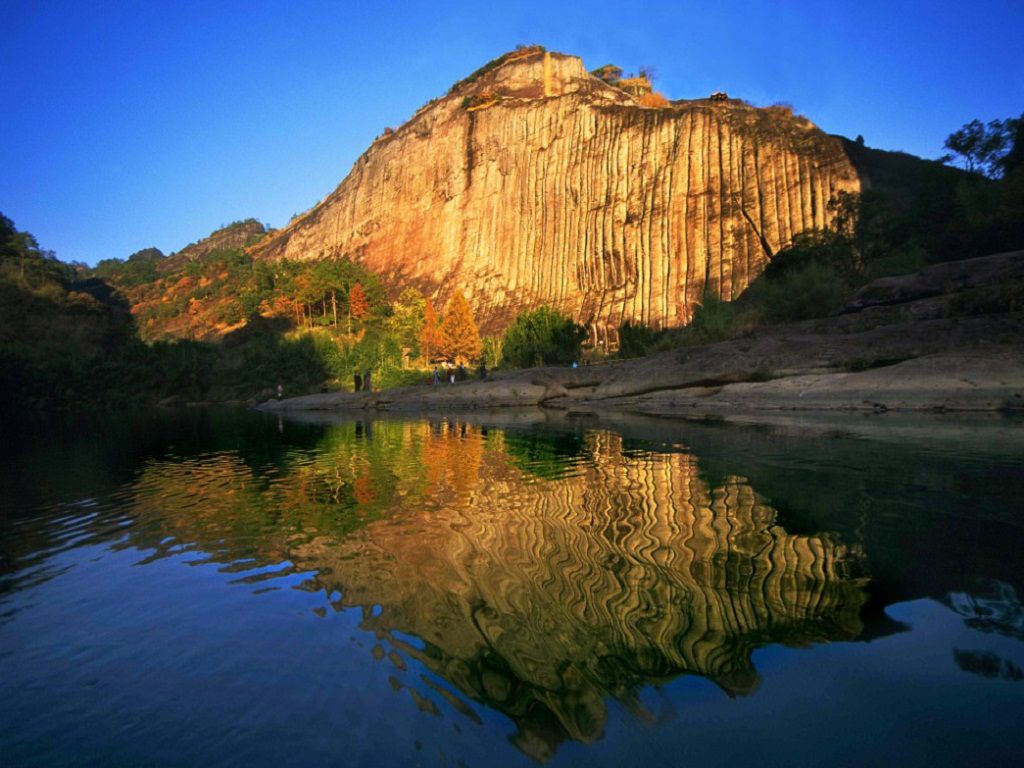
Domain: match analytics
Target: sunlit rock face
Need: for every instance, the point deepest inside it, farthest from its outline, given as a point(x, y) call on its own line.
point(533, 182)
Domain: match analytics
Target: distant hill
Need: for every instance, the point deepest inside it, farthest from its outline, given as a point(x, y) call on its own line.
point(47, 306)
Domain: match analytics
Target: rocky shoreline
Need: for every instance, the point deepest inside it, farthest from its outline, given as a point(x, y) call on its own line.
point(949, 338)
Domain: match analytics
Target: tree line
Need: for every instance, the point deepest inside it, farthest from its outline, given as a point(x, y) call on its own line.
point(225, 326)
point(220, 327)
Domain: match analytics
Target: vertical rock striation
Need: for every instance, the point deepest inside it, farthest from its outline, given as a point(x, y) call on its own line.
point(532, 182)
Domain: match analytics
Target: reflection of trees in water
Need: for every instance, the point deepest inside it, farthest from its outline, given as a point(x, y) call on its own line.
point(547, 455)
point(540, 599)
point(231, 510)
point(987, 664)
point(993, 607)
point(544, 599)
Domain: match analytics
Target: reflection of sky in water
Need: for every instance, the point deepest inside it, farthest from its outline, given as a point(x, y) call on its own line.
point(403, 591)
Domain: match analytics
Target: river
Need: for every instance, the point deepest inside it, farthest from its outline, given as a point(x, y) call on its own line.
point(224, 587)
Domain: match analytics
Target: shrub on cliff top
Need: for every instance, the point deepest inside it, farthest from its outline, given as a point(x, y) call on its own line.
point(653, 99)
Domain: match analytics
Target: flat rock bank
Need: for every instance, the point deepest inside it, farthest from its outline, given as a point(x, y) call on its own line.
point(947, 338)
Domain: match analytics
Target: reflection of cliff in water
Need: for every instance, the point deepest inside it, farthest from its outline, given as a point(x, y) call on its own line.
point(542, 600)
point(538, 577)
point(538, 567)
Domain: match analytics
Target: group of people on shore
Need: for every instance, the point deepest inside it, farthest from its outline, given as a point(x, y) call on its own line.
point(362, 383)
point(456, 373)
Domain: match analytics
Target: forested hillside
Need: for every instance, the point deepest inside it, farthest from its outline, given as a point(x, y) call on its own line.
point(209, 324)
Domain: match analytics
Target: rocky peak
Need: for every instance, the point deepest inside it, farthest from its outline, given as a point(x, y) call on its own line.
point(535, 73)
point(238, 234)
point(533, 181)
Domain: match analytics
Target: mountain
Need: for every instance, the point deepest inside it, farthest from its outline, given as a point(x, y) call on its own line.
point(533, 181)
point(238, 234)
point(163, 290)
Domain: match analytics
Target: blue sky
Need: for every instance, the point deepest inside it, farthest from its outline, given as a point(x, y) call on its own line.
point(131, 124)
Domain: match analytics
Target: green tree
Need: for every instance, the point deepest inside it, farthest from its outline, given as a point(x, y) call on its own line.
point(307, 293)
point(492, 352)
point(331, 281)
point(636, 340)
point(406, 320)
point(981, 148)
point(543, 336)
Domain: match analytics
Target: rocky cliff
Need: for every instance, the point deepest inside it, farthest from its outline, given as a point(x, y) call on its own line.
point(533, 181)
point(236, 235)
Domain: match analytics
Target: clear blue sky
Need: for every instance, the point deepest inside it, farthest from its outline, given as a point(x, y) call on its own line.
point(131, 124)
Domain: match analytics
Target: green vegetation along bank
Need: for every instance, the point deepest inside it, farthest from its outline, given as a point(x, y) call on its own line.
point(211, 323)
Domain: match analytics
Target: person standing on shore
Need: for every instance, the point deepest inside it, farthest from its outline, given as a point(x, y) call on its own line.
point(357, 382)
point(366, 381)
point(280, 391)
point(437, 377)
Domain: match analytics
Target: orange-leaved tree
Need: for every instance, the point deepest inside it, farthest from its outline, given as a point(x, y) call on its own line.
point(459, 333)
point(358, 304)
point(430, 333)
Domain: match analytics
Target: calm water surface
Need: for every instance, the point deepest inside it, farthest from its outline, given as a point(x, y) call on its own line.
point(227, 588)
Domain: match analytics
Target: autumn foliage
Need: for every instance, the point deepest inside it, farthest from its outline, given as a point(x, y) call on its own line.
point(358, 304)
point(653, 99)
point(459, 335)
point(430, 334)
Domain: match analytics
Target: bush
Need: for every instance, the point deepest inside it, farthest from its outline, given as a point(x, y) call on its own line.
point(714, 320)
point(230, 312)
point(813, 289)
point(543, 336)
point(811, 278)
point(653, 99)
point(900, 262)
point(636, 340)
point(337, 359)
point(818, 247)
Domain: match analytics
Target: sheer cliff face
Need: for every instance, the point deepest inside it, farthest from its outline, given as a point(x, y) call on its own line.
point(535, 183)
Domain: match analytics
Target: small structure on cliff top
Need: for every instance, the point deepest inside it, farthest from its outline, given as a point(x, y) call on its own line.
point(635, 86)
point(719, 96)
